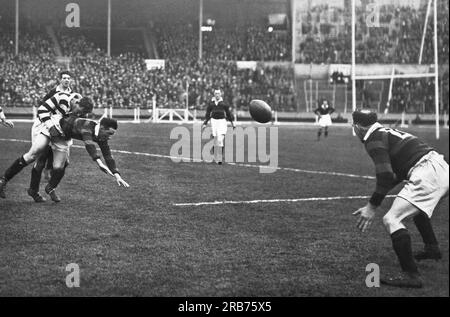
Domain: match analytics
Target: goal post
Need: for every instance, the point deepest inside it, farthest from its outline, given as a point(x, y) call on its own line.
point(396, 75)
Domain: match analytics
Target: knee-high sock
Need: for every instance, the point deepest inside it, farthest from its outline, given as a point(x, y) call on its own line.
point(423, 224)
point(35, 179)
point(49, 156)
point(401, 242)
point(36, 172)
point(15, 168)
point(56, 177)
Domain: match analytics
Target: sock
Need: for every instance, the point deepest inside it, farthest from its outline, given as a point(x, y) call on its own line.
point(15, 168)
point(49, 156)
point(326, 133)
point(319, 133)
point(423, 224)
point(35, 179)
point(401, 242)
point(57, 175)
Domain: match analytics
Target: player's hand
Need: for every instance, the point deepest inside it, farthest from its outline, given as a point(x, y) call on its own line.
point(103, 167)
point(234, 127)
point(120, 181)
point(7, 123)
point(54, 132)
point(366, 215)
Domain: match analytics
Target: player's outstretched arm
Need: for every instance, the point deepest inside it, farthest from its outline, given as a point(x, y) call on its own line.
point(120, 181)
point(103, 167)
point(365, 215)
point(3, 121)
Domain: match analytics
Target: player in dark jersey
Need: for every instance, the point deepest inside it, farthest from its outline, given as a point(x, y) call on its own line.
point(91, 132)
point(402, 157)
point(4, 121)
point(324, 112)
point(218, 112)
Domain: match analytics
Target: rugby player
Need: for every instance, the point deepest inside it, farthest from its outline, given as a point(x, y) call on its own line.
point(218, 112)
point(49, 115)
point(3, 121)
point(400, 156)
point(91, 132)
point(324, 112)
point(46, 158)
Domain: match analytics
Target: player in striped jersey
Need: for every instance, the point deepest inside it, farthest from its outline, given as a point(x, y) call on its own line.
point(46, 158)
point(402, 157)
point(49, 115)
point(91, 132)
point(44, 162)
point(6, 123)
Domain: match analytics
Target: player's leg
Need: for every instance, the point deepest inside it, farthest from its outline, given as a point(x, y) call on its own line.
point(435, 184)
point(319, 133)
point(219, 148)
point(431, 249)
point(60, 157)
point(36, 172)
point(49, 164)
point(401, 243)
point(38, 145)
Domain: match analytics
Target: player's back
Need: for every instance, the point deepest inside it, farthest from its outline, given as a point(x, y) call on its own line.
point(404, 149)
point(78, 128)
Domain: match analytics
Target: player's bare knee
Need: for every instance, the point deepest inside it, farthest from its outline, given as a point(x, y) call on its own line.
point(389, 221)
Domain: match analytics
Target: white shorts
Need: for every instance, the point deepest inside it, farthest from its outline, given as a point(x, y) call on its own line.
point(325, 120)
point(60, 145)
point(218, 127)
point(427, 183)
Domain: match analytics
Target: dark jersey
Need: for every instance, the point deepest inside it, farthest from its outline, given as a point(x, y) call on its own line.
point(86, 130)
point(217, 111)
point(394, 153)
point(323, 110)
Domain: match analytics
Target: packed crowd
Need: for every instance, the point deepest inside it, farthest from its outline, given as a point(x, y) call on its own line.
point(396, 40)
point(124, 82)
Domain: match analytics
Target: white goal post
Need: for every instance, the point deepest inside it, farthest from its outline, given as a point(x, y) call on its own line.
point(393, 76)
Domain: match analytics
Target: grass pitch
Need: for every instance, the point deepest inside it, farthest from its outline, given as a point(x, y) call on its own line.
point(137, 242)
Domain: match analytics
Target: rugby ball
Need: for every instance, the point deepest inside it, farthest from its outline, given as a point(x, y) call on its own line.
point(260, 111)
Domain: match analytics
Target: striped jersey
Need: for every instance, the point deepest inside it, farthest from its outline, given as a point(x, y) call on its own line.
point(54, 91)
point(57, 106)
point(86, 130)
point(394, 153)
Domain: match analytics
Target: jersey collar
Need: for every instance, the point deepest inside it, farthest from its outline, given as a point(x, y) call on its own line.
point(60, 89)
point(217, 101)
point(374, 127)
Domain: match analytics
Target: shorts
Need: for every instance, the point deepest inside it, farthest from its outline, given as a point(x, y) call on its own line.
point(427, 182)
point(218, 127)
point(325, 120)
point(61, 144)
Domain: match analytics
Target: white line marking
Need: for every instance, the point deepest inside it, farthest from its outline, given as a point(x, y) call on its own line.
point(235, 202)
point(187, 159)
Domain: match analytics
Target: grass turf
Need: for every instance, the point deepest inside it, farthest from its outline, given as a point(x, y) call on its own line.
point(134, 242)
